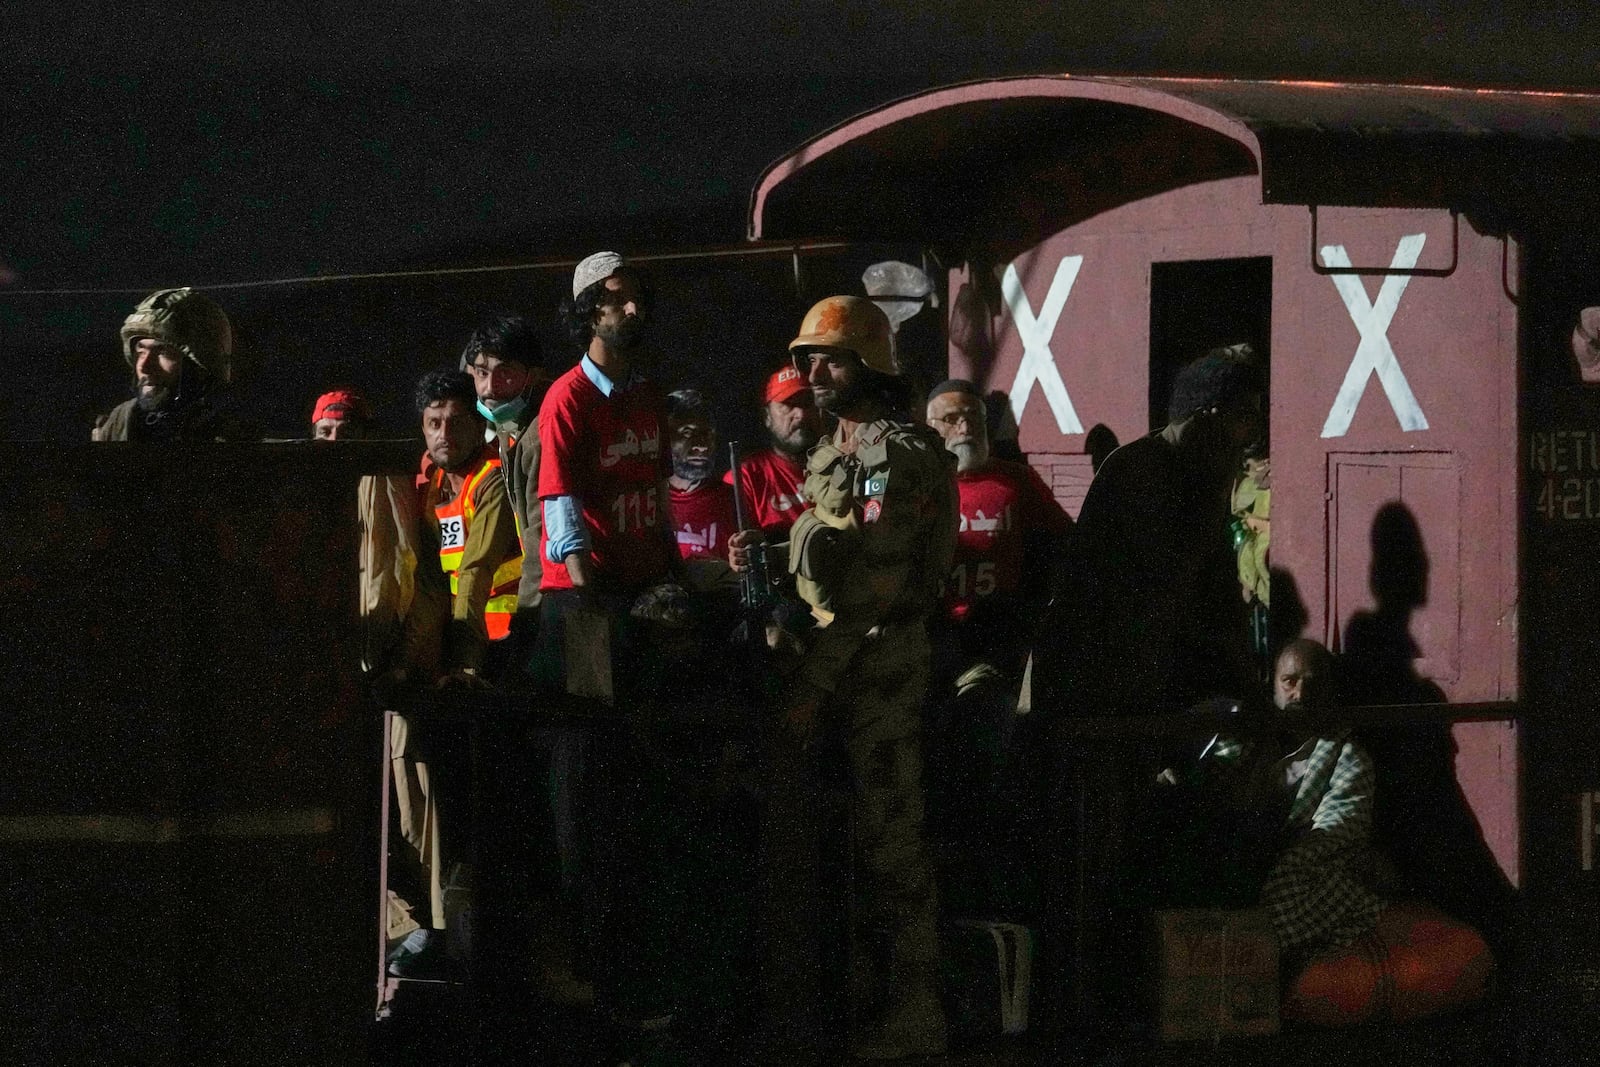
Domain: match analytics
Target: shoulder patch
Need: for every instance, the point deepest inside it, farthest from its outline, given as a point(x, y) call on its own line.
point(822, 456)
point(918, 439)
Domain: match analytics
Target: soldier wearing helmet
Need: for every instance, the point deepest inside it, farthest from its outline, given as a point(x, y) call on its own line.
point(179, 345)
point(868, 554)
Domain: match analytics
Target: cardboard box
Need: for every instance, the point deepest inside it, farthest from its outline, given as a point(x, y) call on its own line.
point(1217, 974)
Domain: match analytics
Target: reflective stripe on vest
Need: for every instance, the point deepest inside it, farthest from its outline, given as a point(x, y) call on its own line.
point(455, 524)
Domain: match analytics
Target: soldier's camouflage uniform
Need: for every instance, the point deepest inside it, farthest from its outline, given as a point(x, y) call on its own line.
point(869, 555)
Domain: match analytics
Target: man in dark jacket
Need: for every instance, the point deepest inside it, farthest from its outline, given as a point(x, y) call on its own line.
point(1148, 621)
point(179, 345)
point(510, 378)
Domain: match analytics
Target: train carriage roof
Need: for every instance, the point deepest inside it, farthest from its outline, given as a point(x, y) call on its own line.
point(1013, 160)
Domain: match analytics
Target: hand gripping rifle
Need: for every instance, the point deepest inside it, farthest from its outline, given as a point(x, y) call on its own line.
point(756, 592)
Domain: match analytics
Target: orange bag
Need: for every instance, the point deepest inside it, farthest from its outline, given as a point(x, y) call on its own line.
point(1416, 962)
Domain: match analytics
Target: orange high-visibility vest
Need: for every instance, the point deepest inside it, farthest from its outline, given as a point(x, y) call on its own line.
point(455, 526)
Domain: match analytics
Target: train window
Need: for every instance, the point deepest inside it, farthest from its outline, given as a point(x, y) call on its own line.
point(1198, 305)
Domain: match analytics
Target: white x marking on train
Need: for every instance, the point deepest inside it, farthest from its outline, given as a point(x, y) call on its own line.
point(1038, 362)
point(1374, 354)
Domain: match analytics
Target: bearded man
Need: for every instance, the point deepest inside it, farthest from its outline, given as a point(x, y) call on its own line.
point(179, 345)
point(770, 480)
point(1012, 533)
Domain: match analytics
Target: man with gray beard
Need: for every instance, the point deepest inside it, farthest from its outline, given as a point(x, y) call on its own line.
point(770, 479)
point(1012, 532)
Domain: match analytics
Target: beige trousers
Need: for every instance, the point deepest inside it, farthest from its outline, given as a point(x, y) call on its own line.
point(417, 807)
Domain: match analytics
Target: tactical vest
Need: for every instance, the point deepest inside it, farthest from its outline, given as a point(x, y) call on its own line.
point(846, 492)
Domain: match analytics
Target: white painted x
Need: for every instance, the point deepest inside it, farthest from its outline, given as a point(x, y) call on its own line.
point(1374, 354)
point(1038, 362)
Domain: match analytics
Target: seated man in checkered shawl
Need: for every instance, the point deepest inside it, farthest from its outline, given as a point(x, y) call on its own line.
point(1316, 889)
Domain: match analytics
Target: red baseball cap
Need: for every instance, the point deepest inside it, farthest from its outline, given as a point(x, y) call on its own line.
point(340, 404)
point(785, 384)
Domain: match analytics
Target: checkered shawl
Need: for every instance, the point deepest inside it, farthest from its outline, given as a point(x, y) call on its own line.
point(1316, 892)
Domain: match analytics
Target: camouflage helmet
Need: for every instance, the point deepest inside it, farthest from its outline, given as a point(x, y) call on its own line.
point(189, 321)
point(850, 322)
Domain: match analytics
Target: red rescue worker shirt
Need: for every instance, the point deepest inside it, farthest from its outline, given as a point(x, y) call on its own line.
point(770, 482)
point(702, 519)
point(611, 453)
point(1003, 505)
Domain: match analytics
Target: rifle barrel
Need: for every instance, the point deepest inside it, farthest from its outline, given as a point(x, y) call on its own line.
point(738, 493)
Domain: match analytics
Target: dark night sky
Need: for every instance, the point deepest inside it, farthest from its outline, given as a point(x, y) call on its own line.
point(149, 143)
point(152, 144)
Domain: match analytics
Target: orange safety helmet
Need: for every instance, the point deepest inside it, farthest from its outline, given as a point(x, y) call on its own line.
point(850, 322)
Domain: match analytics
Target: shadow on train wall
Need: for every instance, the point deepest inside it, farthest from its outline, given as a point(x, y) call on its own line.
point(1423, 822)
point(1290, 617)
point(1099, 442)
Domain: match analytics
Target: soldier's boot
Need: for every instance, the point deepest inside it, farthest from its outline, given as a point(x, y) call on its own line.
point(912, 1023)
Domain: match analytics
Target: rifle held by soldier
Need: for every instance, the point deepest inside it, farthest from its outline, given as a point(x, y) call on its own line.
point(757, 594)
